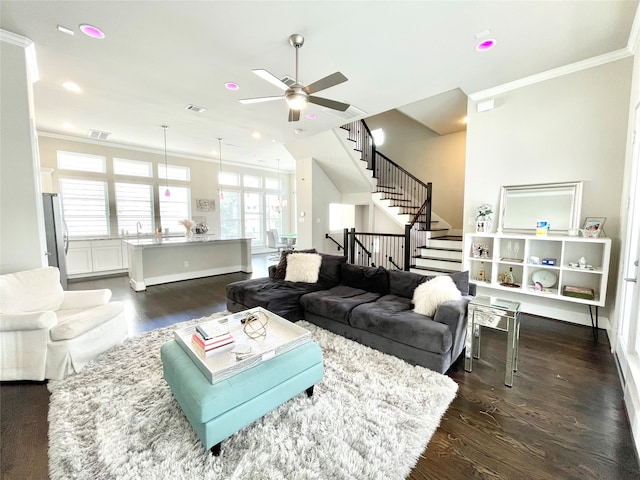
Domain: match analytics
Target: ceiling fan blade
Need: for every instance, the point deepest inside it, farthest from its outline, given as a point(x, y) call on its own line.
point(326, 82)
point(260, 99)
point(270, 77)
point(325, 102)
point(294, 115)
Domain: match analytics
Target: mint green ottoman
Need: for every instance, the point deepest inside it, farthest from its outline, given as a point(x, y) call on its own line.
point(217, 411)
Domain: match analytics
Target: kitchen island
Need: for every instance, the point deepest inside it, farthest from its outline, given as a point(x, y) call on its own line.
point(153, 261)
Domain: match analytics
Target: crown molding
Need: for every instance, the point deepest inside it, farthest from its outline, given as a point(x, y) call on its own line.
point(553, 73)
point(15, 39)
point(29, 50)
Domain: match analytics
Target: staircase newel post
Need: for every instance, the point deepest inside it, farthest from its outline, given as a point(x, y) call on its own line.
point(345, 242)
point(352, 246)
point(407, 247)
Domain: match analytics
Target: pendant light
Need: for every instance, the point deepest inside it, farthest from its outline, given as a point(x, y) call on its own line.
point(220, 168)
point(167, 193)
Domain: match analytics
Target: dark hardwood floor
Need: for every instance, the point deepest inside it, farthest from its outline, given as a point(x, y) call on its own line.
point(564, 418)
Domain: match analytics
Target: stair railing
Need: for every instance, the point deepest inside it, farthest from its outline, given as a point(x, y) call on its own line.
point(375, 249)
point(340, 247)
point(403, 189)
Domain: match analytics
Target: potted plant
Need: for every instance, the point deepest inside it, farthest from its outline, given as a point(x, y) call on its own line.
point(483, 218)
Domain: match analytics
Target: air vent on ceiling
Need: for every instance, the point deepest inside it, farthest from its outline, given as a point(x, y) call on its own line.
point(288, 80)
point(195, 108)
point(98, 134)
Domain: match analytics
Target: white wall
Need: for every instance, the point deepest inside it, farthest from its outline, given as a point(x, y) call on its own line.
point(567, 128)
point(21, 218)
point(315, 192)
point(428, 156)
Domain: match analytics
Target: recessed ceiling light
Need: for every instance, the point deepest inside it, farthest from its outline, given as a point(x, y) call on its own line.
point(256, 135)
point(486, 45)
point(311, 116)
point(66, 30)
point(72, 87)
point(232, 86)
point(91, 31)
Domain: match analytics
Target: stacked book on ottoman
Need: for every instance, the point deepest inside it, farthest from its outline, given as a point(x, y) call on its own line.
point(207, 338)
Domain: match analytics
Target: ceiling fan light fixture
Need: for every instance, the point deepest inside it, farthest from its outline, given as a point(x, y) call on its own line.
point(296, 100)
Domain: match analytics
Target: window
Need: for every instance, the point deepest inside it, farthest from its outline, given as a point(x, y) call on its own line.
point(251, 181)
point(85, 207)
point(253, 217)
point(134, 168)
point(230, 215)
point(134, 204)
point(272, 184)
point(83, 162)
point(273, 212)
point(174, 172)
point(231, 179)
point(174, 208)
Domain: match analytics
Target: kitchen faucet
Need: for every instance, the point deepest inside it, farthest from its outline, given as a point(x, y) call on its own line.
point(138, 228)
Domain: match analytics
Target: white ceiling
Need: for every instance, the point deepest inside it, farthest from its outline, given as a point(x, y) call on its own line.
point(158, 57)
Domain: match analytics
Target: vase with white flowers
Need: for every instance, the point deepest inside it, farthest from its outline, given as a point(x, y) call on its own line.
point(484, 221)
point(188, 225)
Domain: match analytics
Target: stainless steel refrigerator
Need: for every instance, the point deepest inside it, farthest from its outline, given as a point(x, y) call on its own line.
point(57, 235)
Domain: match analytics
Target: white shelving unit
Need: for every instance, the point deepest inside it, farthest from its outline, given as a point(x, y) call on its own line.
point(496, 254)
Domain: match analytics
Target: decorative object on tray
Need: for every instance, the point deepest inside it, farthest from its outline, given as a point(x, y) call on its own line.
point(201, 228)
point(481, 275)
point(593, 227)
point(483, 218)
point(480, 250)
point(542, 227)
point(255, 325)
point(546, 278)
point(585, 293)
point(188, 225)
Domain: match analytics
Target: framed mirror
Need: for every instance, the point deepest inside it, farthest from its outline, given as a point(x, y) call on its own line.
point(522, 206)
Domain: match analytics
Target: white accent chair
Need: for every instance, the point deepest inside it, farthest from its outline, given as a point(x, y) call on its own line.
point(49, 333)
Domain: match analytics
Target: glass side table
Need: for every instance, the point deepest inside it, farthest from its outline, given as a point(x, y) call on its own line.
point(498, 314)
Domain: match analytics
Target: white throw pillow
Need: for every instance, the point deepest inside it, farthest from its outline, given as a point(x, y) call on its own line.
point(428, 296)
point(303, 267)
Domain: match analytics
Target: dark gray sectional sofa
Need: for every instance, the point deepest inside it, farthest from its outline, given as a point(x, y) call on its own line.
point(369, 305)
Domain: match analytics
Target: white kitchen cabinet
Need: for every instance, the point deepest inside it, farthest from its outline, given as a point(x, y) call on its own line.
point(106, 255)
point(79, 259)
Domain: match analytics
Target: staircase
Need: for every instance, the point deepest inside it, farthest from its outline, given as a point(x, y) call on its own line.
point(429, 249)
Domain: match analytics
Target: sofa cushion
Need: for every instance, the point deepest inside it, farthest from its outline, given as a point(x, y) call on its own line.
point(370, 279)
point(404, 283)
point(337, 302)
point(36, 290)
point(277, 296)
point(281, 268)
point(391, 317)
point(303, 267)
point(330, 268)
point(428, 296)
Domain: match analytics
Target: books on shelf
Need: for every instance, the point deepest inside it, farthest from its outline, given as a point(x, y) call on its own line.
point(578, 292)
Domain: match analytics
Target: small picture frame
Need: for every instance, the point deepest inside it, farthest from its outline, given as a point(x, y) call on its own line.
point(593, 227)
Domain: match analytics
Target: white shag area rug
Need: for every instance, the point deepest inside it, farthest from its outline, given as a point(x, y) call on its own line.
point(370, 417)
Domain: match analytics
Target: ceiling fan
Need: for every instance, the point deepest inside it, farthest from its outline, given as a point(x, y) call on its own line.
point(296, 94)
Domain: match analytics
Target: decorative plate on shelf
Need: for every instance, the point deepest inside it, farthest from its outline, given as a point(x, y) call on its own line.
point(546, 278)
